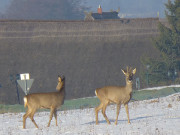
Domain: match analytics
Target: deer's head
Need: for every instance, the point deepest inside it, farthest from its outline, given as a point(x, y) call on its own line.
point(129, 72)
point(60, 82)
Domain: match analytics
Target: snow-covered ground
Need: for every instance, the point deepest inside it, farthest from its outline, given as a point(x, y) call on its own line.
point(149, 117)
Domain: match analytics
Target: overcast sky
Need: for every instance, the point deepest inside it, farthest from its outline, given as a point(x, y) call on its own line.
point(130, 6)
point(4, 4)
point(126, 6)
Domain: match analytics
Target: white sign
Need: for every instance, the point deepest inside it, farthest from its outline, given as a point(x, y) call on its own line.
point(25, 85)
point(25, 76)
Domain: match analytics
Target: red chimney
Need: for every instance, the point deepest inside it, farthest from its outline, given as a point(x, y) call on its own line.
point(100, 9)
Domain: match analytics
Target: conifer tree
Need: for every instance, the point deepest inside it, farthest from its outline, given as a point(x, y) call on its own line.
point(168, 44)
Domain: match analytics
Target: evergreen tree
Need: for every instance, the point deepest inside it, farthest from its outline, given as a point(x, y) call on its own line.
point(168, 43)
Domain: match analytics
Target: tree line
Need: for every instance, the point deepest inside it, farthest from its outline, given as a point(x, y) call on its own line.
point(166, 68)
point(45, 10)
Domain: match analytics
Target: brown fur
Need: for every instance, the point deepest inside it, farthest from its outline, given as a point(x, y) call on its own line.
point(115, 94)
point(51, 100)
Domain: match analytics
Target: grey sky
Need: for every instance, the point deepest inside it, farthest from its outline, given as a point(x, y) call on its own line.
point(150, 7)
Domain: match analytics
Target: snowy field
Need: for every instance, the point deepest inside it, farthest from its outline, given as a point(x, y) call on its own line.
point(149, 117)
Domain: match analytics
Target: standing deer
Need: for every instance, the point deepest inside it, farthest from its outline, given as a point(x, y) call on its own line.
point(115, 94)
point(51, 100)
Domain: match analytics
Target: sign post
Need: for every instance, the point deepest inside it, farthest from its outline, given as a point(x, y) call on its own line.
point(14, 79)
point(25, 82)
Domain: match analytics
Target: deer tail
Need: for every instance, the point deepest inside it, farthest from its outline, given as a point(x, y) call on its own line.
point(25, 101)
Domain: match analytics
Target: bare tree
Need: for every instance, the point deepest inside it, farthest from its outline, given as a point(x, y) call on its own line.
point(46, 9)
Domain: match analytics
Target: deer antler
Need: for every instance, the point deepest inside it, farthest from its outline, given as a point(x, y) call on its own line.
point(116, 94)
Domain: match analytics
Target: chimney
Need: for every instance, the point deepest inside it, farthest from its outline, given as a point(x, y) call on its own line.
point(100, 9)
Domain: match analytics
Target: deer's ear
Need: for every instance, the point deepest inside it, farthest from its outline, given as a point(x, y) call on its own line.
point(134, 71)
point(123, 71)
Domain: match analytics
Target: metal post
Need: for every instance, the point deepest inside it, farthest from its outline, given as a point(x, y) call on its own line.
point(17, 92)
point(137, 83)
point(147, 79)
point(147, 75)
point(14, 79)
point(26, 87)
point(25, 82)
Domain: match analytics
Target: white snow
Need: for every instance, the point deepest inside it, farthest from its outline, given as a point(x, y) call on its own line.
point(149, 117)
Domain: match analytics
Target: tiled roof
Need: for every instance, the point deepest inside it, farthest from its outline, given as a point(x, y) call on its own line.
point(105, 15)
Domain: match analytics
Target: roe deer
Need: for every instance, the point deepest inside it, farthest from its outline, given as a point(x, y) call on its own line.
point(51, 100)
point(115, 94)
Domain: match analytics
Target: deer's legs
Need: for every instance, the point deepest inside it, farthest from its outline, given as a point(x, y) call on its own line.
point(55, 115)
point(117, 113)
point(103, 111)
point(127, 112)
point(51, 115)
point(97, 110)
point(25, 117)
point(32, 118)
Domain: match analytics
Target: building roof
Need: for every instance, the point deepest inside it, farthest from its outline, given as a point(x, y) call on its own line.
point(101, 15)
point(105, 15)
